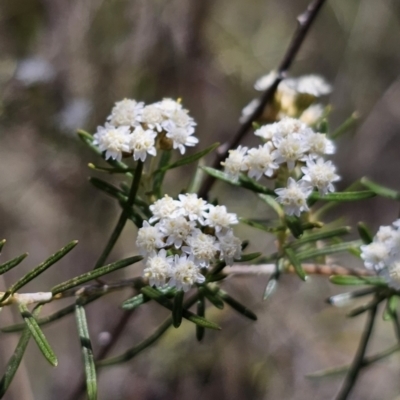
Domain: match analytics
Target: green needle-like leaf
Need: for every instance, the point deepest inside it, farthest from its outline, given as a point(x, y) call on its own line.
point(38, 335)
point(343, 196)
point(335, 248)
point(350, 123)
point(262, 225)
point(140, 299)
point(364, 232)
point(111, 190)
point(320, 235)
point(177, 308)
point(113, 170)
point(212, 296)
point(201, 312)
point(295, 226)
point(12, 263)
point(248, 257)
point(2, 243)
point(240, 308)
point(273, 204)
point(357, 280)
point(380, 190)
point(97, 273)
point(87, 352)
point(161, 299)
point(158, 177)
point(40, 269)
point(291, 255)
point(189, 159)
point(270, 288)
point(390, 311)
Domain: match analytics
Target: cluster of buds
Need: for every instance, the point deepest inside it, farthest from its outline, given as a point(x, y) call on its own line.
point(294, 97)
point(382, 255)
point(290, 148)
point(134, 129)
point(183, 238)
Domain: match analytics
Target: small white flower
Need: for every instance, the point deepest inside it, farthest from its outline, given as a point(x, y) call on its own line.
point(385, 234)
point(312, 114)
point(176, 230)
point(235, 163)
point(319, 144)
point(249, 110)
point(392, 275)
point(185, 273)
point(113, 140)
point(158, 269)
point(375, 255)
point(289, 126)
point(152, 117)
point(193, 207)
point(181, 137)
point(219, 218)
point(202, 246)
point(166, 207)
point(230, 246)
point(180, 119)
point(267, 132)
point(313, 85)
point(261, 161)
point(320, 174)
point(266, 81)
point(126, 112)
point(294, 197)
point(290, 149)
point(149, 239)
point(168, 106)
point(142, 143)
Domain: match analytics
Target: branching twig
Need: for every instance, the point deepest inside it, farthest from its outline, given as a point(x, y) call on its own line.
point(305, 21)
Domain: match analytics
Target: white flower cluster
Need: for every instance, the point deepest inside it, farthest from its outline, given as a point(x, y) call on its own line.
point(132, 129)
point(294, 97)
point(288, 143)
point(382, 255)
point(188, 234)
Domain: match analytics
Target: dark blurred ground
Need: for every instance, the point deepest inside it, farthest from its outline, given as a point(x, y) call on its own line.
point(63, 63)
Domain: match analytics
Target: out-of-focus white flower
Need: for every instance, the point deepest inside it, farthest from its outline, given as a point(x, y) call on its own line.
point(290, 149)
point(181, 137)
point(235, 163)
point(193, 207)
point(267, 132)
point(320, 174)
point(185, 273)
point(219, 218)
point(266, 81)
point(152, 117)
point(319, 144)
point(392, 274)
point(180, 119)
point(203, 247)
point(261, 161)
point(312, 114)
point(168, 106)
point(113, 140)
point(158, 269)
point(294, 197)
point(141, 142)
point(149, 239)
point(166, 207)
point(385, 234)
point(289, 126)
point(313, 85)
point(176, 230)
point(249, 110)
point(230, 246)
point(375, 255)
point(126, 112)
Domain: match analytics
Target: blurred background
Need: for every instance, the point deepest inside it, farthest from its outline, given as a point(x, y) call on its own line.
point(63, 63)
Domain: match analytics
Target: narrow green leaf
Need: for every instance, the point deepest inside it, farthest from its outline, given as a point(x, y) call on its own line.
point(380, 190)
point(87, 352)
point(161, 299)
point(189, 159)
point(335, 248)
point(291, 255)
point(390, 311)
point(270, 288)
point(138, 300)
point(12, 263)
point(16, 358)
point(40, 268)
point(364, 232)
point(106, 187)
point(357, 280)
point(177, 308)
point(197, 178)
point(113, 170)
point(343, 196)
point(350, 123)
point(261, 226)
point(38, 335)
point(248, 257)
point(94, 274)
point(273, 204)
point(2, 243)
point(362, 309)
point(212, 296)
point(295, 226)
point(323, 126)
point(342, 299)
point(240, 308)
point(159, 175)
point(201, 312)
point(320, 235)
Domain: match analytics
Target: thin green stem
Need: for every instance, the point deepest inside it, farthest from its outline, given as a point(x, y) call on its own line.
point(358, 361)
point(123, 218)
